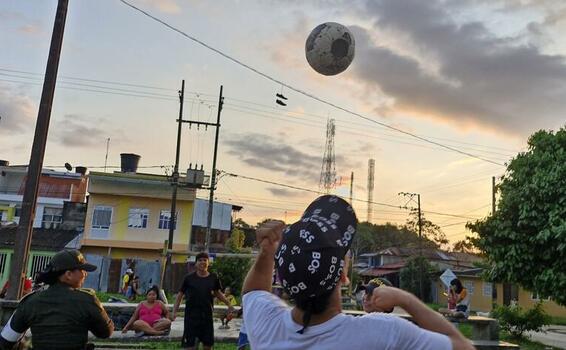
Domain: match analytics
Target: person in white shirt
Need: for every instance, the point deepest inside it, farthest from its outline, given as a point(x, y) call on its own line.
point(310, 258)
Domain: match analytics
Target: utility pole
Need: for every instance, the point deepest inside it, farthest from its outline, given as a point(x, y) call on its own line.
point(492, 195)
point(351, 187)
point(175, 184)
point(420, 226)
point(29, 201)
point(213, 178)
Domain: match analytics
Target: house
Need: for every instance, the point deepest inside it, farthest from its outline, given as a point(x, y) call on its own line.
point(129, 214)
point(44, 244)
point(55, 189)
point(221, 225)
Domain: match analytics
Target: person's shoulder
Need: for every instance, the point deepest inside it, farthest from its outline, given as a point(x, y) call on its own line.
point(259, 296)
point(85, 294)
point(30, 298)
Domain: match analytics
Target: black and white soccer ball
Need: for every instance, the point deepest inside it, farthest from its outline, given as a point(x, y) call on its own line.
point(330, 48)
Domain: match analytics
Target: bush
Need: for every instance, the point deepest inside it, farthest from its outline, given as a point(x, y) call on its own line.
point(231, 271)
point(417, 269)
point(514, 320)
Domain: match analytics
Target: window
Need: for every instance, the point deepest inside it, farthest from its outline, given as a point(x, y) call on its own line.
point(52, 217)
point(487, 289)
point(39, 263)
point(164, 219)
point(137, 218)
point(101, 217)
point(469, 285)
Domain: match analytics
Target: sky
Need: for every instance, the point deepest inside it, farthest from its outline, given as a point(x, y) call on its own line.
point(441, 94)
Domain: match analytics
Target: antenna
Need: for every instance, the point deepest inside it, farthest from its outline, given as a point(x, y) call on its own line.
point(106, 158)
point(328, 170)
point(371, 172)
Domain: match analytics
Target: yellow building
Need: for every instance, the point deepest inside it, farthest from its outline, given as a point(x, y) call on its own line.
point(480, 292)
point(128, 216)
point(527, 300)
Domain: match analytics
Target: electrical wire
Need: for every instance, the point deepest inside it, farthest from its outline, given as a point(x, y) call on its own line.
point(304, 93)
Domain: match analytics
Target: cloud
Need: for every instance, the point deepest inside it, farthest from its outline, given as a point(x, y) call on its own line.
point(17, 112)
point(480, 79)
point(81, 131)
point(31, 29)
point(282, 192)
point(273, 154)
point(166, 6)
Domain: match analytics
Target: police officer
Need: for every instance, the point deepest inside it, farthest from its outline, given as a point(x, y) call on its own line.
point(61, 315)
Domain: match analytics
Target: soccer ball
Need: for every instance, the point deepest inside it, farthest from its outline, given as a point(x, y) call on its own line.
point(330, 48)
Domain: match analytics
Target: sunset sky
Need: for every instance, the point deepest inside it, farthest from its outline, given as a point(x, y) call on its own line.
point(471, 79)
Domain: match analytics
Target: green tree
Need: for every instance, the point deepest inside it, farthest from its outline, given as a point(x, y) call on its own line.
point(431, 232)
point(231, 271)
point(235, 243)
point(464, 246)
point(525, 239)
point(249, 232)
point(417, 269)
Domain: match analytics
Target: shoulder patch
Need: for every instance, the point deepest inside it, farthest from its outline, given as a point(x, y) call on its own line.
point(87, 291)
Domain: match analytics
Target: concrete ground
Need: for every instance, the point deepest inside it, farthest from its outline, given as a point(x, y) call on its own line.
point(553, 336)
point(223, 335)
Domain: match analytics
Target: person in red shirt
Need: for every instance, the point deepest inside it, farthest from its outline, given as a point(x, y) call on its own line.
point(28, 287)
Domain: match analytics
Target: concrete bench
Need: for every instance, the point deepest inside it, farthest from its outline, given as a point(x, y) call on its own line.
point(483, 328)
point(493, 344)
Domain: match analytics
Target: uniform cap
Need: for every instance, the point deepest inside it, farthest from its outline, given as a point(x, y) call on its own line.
point(70, 260)
point(310, 257)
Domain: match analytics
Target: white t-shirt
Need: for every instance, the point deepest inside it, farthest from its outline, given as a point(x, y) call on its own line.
point(270, 326)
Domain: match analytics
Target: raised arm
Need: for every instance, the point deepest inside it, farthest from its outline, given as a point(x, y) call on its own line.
point(385, 298)
point(259, 276)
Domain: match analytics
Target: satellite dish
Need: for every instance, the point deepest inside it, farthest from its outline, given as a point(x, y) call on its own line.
point(68, 166)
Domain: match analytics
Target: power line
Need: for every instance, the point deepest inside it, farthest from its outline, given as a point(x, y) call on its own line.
point(304, 93)
point(237, 108)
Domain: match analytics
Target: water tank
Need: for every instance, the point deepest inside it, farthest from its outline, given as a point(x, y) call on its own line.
point(129, 162)
point(80, 170)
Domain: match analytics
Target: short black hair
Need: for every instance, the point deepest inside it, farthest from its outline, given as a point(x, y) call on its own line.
point(202, 255)
point(312, 306)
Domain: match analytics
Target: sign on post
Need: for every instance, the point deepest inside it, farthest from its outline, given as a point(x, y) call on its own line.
point(446, 277)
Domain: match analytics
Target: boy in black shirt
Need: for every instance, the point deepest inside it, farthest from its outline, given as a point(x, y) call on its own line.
point(199, 288)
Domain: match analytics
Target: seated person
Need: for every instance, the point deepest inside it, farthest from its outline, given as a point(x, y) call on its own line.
point(460, 297)
point(151, 316)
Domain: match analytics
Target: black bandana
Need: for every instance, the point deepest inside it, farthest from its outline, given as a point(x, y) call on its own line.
point(310, 257)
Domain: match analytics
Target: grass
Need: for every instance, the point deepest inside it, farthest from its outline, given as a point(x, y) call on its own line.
point(558, 320)
point(177, 345)
point(525, 344)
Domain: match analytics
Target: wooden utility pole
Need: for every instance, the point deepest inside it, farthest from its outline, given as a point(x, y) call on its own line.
point(213, 175)
point(175, 184)
point(493, 195)
point(29, 201)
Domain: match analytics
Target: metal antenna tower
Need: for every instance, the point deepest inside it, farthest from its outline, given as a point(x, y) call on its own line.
point(371, 172)
point(328, 170)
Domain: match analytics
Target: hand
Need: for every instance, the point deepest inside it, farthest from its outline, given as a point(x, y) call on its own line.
point(124, 331)
point(384, 299)
point(231, 309)
point(173, 316)
point(269, 235)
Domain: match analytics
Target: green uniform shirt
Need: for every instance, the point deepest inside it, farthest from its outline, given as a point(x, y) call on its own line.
point(60, 318)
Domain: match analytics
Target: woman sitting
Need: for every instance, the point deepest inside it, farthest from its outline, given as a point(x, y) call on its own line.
point(151, 316)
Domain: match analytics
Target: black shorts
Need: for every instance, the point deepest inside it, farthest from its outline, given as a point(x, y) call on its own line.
point(196, 327)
